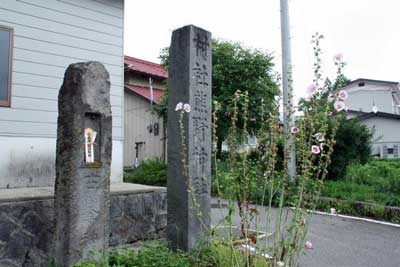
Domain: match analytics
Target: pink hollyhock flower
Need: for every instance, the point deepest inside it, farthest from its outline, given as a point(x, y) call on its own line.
point(338, 57)
point(253, 119)
point(339, 106)
point(319, 137)
point(179, 106)
point(295, 130)
point(315, 149)
point(227, 114)
point(311, 89)
point(343, 95)
point(186, 108)
point(308, 245)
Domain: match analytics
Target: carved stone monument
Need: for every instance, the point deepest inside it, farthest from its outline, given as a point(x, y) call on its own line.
point(84, 144)
point(189, 81)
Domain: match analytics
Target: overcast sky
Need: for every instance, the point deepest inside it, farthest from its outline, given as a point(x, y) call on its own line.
point(366, 32)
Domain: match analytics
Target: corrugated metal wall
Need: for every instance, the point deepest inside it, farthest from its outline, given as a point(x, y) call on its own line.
point(137, 119)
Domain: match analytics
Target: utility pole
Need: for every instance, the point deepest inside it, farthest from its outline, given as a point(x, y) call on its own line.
point(287, 86)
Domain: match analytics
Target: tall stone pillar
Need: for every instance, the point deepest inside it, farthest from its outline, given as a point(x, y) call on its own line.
point(189, 81)
point(84, 145)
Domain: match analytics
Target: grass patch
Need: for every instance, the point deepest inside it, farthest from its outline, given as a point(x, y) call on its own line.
point(220, 255)
point(376, 182)
point(152, 254)
point(157, 254)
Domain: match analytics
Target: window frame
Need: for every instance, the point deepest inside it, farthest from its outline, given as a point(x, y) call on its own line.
point(7, 103)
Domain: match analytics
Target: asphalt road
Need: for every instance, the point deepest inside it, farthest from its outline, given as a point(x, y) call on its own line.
point(343, 242)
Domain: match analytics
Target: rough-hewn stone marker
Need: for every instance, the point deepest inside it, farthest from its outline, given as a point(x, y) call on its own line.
point(84, 145)
point(189, 81)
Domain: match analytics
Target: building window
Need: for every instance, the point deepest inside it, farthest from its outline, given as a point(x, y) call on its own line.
point(6, 36)
point(390, 151)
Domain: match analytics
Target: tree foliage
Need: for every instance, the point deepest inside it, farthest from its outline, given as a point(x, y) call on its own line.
point(235, 67)
point(353, 145)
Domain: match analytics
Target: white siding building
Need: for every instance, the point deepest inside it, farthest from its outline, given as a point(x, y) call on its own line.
point(386, 128)
point(46, 36)
point(377, 104)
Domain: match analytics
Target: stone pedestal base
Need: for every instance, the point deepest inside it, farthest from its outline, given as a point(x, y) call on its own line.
point(137, 212)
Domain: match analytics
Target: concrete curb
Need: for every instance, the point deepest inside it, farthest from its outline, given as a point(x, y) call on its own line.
point(355, 218)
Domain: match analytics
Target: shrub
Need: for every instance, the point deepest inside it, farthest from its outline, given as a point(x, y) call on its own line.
point(353, 145)
point(149, 172)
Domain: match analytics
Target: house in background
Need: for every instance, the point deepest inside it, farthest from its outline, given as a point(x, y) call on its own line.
point(143, 129)
point(366, 93)
point(38, 40)
point(377, 104)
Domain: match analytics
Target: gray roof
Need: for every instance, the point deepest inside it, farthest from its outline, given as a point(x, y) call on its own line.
point(372, 81)
point(365, 115)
